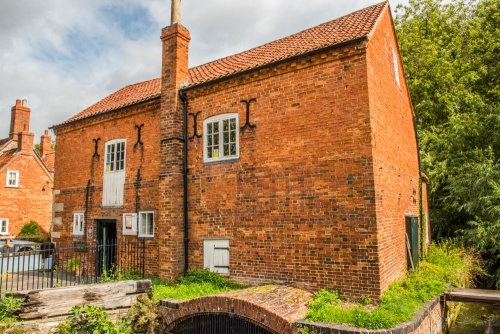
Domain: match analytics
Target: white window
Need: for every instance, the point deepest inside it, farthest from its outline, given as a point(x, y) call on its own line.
point(396, 68)
point(146, 224)
point(115, 155)
point(4, 226)
point(78, 223)
point(216, 255)
point(221, 141)
point(114, 173)
point(12, 179)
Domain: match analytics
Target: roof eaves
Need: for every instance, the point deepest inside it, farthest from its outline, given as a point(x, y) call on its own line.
point(104, 112)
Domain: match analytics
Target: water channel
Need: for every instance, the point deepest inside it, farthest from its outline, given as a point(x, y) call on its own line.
point(473, 319)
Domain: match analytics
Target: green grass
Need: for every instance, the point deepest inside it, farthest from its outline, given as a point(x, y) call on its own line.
point(197, 283)
point(445, 264)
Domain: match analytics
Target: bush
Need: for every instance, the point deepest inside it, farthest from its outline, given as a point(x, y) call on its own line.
point(91, 319)
point(32, 228)
point(8, 303)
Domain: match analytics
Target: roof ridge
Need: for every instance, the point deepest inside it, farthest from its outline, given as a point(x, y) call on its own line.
point(290, 36)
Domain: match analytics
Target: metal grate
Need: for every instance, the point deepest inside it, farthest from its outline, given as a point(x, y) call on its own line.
point(218, 323)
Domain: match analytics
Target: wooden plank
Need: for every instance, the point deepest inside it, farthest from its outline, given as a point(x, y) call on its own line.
point(58, 301)
point(488, 297)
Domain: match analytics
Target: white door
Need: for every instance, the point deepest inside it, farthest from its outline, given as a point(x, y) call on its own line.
point(114, 173)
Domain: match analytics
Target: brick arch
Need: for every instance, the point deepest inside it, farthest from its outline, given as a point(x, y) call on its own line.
point(272, 307)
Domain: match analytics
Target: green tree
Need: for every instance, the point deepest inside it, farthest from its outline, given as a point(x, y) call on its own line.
point(450, 51)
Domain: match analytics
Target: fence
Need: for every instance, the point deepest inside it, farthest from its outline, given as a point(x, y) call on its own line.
point(30, 266)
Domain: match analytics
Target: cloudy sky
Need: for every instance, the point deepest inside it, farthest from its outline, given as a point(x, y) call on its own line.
point(63, 56)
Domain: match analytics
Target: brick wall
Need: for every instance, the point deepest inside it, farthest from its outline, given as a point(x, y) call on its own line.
point(395, 162)
point(27, 201)
point(76, 165)
point(298, 206)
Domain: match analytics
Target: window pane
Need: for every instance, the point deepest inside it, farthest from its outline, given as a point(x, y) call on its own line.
point(209, 128)
point(226, 149)
point(225, 125)
point(209, 152)
point(233, 149)
point(216, 139)
point(226, 137)
point(216, 127)
point(233, 137)
point(233, 124)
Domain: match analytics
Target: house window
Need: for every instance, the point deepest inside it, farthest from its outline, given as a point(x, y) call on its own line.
point(115, 156)
point(12, 179)
point(78, 223)
point(4, 226)
point(146, 224)
point(216, 255)
point(396, 68)
point(221, 138)
point(114, 173)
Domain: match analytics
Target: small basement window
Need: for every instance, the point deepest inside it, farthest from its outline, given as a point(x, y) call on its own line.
point(216, 255)
point(221, 140)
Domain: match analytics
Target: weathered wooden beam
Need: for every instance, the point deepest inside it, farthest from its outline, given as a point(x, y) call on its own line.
point(488, 297)
point(58, 301)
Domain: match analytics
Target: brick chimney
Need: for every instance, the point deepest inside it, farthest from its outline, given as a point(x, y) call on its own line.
point(175, 40)
point(25, 141)
point(45, 144)
point(19, 117)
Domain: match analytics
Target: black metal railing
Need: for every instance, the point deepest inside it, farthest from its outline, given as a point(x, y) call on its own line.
point(41, 266)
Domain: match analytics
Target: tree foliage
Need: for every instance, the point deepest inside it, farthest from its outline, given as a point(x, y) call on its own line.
point(451, 55)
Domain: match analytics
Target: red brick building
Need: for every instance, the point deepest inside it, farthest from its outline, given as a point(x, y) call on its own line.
point(295, 162)
point(26, 181)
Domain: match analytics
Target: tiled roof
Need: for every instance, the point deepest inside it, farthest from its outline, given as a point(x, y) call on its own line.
point(126, 96)
point(347, 28)
point(6, 156)
point(4, 141)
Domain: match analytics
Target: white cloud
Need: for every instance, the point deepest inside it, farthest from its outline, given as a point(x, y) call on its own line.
point(64, 56)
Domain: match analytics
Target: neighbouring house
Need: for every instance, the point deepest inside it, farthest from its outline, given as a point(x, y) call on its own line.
point(295, 162)
point(26, 178)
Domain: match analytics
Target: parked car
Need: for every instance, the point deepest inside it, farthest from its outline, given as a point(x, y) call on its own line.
point(17, 246)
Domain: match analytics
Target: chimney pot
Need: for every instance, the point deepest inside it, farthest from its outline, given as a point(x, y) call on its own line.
point(25, 103)
point(176, 12)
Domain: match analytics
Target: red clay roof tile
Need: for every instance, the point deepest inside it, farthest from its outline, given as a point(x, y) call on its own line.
point(347, 28)
point(5, 157)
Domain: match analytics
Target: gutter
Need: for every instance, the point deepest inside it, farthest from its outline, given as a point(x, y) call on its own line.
point(185, 171)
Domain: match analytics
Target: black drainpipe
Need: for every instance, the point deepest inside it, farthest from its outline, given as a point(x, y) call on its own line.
point(185, 171)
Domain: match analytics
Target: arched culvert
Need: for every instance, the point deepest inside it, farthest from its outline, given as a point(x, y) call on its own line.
point(268, 309)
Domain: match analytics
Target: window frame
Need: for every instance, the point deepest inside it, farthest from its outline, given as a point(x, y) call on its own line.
point(7, 179)
point(220, 119)
point(395, 61)
point(6, 221)
point(79, 217)
point(114, 143)
point(140, 224)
